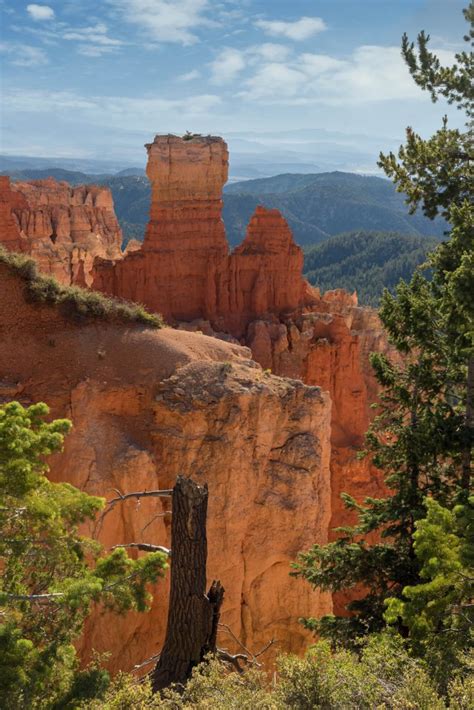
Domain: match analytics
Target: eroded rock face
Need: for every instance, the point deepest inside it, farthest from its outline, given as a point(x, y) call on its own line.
point(261, 276)
point(276, 454)
point(10, 236)
point(147, 405)
point(63, 228)
point(184, 270)
point(173, 272)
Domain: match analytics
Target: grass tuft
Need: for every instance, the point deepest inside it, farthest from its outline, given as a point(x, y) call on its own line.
point(75, 301)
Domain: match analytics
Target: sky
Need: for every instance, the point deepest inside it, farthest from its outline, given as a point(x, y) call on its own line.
point(99, 78)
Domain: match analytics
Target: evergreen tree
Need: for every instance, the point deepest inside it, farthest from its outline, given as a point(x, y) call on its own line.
point(422, 437)
point(50, 573)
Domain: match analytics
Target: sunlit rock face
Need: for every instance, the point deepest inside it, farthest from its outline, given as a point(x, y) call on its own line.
point(63, 228)
point(148, 405)
point(183, 269)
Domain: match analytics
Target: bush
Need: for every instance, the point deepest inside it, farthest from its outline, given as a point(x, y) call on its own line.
point(75, 301)
point(382, 676)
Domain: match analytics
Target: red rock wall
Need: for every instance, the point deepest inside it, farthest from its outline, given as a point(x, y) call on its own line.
point(63, 228)
point(255, 294)
point(148, 405)
point(10, 236)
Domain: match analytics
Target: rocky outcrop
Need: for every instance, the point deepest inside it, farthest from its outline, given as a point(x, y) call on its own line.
point(147, 405)
point(63, 228)
point(183, 270)
point(261, 276)
point(174, 271)
point(10, 236)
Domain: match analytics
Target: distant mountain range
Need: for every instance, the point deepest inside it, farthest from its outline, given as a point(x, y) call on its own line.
point(321, 205)
point(317, 205)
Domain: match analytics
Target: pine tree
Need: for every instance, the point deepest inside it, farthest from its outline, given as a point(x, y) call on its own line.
point(422, 437)
point(51, 573)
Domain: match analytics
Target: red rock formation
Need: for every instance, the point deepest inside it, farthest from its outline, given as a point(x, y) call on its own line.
point(185, 240)
point(63, 228)
point(261, 276)
point(10, 236)
point(183, 269)
point(243, 433)
point(147, 405)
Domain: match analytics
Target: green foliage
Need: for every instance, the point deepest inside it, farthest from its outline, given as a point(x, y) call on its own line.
point(439, 611)
point(51, 573)
point(189, 135)
point(73, 300)
point(423, 435)
point(366, 262)
point(382, 675)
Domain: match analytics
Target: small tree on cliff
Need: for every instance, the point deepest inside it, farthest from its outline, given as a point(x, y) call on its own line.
point(423, 436)
point(50, 573)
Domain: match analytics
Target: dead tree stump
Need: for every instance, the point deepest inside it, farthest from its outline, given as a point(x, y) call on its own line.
point(193, 615)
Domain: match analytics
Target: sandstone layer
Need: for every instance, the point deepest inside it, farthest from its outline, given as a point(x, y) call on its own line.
point(184, 270)
point(255, 294)
point(147, 405)
point(63, 228)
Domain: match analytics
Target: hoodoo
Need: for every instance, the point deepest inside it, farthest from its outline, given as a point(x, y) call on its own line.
point(183, 269)
point(174, 271)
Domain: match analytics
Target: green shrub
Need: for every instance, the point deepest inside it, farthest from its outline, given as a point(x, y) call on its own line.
point(381, 676)
point(73, 300)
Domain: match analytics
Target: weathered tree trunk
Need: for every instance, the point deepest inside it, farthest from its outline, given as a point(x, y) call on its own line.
point(193, 615)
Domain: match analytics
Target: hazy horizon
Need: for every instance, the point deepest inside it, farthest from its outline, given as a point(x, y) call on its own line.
point(313, 83)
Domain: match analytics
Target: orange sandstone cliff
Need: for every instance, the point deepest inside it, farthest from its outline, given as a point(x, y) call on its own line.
point(256, 294)
point(150, 404)
point(63, 228)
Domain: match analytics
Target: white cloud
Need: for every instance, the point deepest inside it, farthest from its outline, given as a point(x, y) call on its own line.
point(189, 76)
point(301, 29)
point(22, 55)
point(371, 74)
point(96, 34)
point(227, 65)
point(93, 40)
point(40, 12)
point(271, 52)
point(165, 20)
point(274, 79)
point(231, 62)
point(112, 111)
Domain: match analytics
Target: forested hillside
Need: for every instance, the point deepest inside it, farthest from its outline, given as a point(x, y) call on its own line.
point(324, 204)
point(366, 262)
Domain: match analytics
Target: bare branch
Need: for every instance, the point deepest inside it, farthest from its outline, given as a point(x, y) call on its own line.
point(227, 657)
point(155, 517)
point(249, 657)
point(165, 493)
point(121, 497)
point(147, 662)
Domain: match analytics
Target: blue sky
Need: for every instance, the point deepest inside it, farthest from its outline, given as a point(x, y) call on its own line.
point(98, 78)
